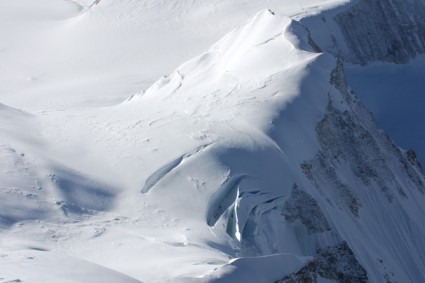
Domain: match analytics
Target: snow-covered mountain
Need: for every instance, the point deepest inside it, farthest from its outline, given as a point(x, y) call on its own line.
point(254, 161)
point(377, 34)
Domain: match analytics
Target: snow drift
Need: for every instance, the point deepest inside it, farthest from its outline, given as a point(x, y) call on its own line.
point(254, 155)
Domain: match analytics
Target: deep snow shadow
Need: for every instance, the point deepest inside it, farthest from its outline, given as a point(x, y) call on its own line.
point(80, 194)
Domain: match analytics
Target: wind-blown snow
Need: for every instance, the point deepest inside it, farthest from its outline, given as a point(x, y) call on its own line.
point(252, 162)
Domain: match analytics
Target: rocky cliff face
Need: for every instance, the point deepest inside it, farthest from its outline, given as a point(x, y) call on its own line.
point(357, 177)
point(336, 263)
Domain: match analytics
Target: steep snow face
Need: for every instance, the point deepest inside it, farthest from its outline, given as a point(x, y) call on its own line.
point(254, 156)
point(379, 36)
point(356, 161)
point(392, 31)
point(357, 174)
point(394, 93)
point(324, 174)
point(371, 30)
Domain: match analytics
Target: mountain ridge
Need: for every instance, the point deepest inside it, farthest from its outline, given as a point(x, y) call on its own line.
point(255, 155)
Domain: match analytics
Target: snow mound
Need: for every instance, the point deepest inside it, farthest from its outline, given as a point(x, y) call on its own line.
point(255, 155)
point(238, 57)
point(312, 138)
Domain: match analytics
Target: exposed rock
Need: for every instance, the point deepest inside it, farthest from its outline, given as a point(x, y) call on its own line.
point(339, 263)
point(301, 206)
point(338, 78)
point(336, 263)
point(352, 146)
point(308, 274)
point(411, 156)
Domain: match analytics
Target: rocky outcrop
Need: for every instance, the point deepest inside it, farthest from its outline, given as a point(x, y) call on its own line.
point(336, 263)
point(303, 207)
point(411, 156)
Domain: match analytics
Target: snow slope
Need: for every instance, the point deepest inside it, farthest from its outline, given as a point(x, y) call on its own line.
point(253, 161)
point(386, 38)
point(76, 54)
point(394, 93)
